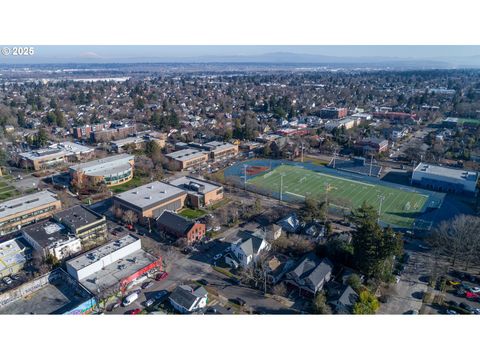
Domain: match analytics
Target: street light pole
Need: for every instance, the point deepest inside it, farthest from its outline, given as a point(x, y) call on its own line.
point(281, 186)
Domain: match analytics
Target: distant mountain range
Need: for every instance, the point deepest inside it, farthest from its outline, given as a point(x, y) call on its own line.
point(267, 58)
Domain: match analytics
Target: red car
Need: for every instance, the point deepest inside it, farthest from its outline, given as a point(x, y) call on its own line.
point(472, 295)
point(134, 312)
point(161, 276)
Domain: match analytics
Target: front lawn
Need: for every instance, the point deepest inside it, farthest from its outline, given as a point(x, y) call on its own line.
point(192, 213)
point(135, 182)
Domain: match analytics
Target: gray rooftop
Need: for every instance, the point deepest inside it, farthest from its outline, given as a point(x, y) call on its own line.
point(47, 233)
point(186, 154)
point(106, 166)
point(194, 185)
point(100, 252)
point(150, 194)
point(26, 202)
point(112, 274)
point(458, 174)
point(77, 216)
point(43, 154)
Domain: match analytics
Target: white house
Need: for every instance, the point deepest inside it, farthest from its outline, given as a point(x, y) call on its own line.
point(247, 250)
point(186, 300)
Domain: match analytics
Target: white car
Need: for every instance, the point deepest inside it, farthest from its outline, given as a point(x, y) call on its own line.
point(217, 228)
point(7, 280)
point(218, 256)
point(475, 289)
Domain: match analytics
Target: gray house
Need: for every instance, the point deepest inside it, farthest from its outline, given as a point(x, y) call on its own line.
point(309, 275)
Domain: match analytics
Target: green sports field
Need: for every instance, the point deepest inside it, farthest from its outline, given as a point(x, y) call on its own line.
point(399, 208)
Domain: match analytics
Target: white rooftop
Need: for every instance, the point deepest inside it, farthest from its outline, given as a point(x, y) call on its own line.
point(458, 174)
point(11, 253)
point(94, 255)
point(106, 166)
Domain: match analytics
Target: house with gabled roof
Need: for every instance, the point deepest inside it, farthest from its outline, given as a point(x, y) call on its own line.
point(309, 275)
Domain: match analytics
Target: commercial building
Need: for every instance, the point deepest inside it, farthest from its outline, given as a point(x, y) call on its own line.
point(27, 209)
point(53, 293)
point(445, 179)
point(113, 170)
point(113, 265)
point(186, 158)
point(200, 193)
point(83, 223)
point(179, 227)
point(14, 255)
point(138, 141)
point(51, 238)
point(41, 159)
point(333, 113)
point(150, 200)
point(83, 132)
point(74, 151)
point(221, 150)
point(54, 155)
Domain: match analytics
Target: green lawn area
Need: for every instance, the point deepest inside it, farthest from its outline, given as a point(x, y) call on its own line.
point(219, 204)
point(135, 182)
point(7, 191)
point(192, 213)
point(469, 121)
point(400, 207)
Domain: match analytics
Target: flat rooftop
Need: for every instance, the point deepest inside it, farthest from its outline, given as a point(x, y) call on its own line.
point(186, 154)
point(12, 252)
point(457, 174)
point(47, 233)
point(106, 166)
point(55, 297)
point(77, 216)
point(150, 194)
point(112, 274)
point(43, 154)
point(100, 252)
point(27, 202)
point(194, 185)
point(72, 147)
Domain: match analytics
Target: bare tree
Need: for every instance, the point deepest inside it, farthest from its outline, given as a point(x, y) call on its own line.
point(130, 217)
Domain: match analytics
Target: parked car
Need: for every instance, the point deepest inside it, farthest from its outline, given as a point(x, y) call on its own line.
point(467, 307)
point(238, 301)
point(134, 311)
point(217, 228)
point(475, 289)
point(161, 276)
point(149, 302)
point(233, 281)
point(15, 277)
point(130, 299)
point(113, 306)
point(217, 257)
point(146, 285)
point(450, 312)
point(453, 282)
point(7, 280)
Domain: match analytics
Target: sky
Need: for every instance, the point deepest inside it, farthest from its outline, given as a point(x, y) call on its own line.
point(124, 52)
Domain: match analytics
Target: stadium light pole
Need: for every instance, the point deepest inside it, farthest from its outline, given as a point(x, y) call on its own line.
point(281, 186)
point(381, 197)
point(245, 176)
point(371, 163)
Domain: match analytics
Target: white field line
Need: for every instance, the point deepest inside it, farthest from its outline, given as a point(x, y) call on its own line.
point(339, 178)
point(301, 196)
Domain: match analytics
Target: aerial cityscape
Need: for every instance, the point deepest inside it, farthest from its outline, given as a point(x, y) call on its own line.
point(262, 181)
